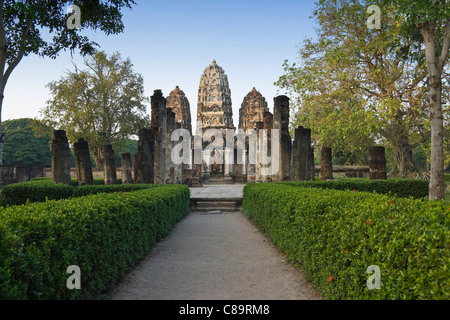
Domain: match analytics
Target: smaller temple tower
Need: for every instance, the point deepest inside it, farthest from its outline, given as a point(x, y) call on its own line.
point(252, 110)
point(179, 104)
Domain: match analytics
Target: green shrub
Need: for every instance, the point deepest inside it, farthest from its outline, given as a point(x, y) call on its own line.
point(88, 190)
point(339, 234)
point(404, 188)
point(37, 190)
point(97, 182)
point(447, 177)
point(34, 191)
point(105, 235)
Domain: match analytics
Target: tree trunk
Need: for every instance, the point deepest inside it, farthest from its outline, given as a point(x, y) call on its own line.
point(437, 182)
point(405, 165)
point(1, 128)
point(98, 158)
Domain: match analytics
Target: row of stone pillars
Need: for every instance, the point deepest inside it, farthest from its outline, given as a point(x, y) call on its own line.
point(83, 166)
point(377, 163)
point(151, 164)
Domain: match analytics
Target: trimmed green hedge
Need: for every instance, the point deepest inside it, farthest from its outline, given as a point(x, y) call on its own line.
point(88, 190)
point(97, 181)
point(105, 235)
point(447, 177)
point(34, 191)
point(40, 189)
point(334, 236)
point(404, 188)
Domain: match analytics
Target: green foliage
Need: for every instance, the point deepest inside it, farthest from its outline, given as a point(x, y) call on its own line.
point(349, 85)
point(34, 191)
point(105, 235)
point(404, 188)
point(339, 234)
point(38, 190)
point(105, 104)
point(126, 146)
point(97, 182)
point(88, 190)
point(51, 17)
point(22, 147)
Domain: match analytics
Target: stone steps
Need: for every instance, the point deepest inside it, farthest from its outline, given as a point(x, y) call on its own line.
point(218, 181)
point(209, 205)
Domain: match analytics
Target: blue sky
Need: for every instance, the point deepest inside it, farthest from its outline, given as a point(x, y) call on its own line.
point(171, 42)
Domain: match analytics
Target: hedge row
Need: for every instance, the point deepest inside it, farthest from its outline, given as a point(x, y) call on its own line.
point(105, 235)
point(97, 181)
point(39, 190)
point(404, 188)
point(34, 191)
point(334, 236)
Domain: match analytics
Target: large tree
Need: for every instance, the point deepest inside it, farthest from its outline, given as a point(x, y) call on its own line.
point(432, 19)
point(23, 146)
point(353, 88)
point(26, 24)
point(104, 103)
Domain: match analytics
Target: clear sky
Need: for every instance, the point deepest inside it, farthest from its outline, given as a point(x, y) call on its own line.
point(171, 42)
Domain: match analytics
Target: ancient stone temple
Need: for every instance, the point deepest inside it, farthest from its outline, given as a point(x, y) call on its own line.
point(214, 99)
point(214, 111)
point(179, 104)
point(252, 110)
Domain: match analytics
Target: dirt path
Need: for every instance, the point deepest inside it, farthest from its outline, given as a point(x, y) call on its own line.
point(215, 257)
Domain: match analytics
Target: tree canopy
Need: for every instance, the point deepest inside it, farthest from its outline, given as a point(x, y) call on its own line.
point(104, 103)
point(356, 87)
point(40, 27)
point(23, 147)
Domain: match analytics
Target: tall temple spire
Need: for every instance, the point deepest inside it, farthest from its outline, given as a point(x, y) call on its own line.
point(214, 99)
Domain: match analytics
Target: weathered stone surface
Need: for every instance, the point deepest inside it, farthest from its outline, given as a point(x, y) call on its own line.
point(326, 166)
point(281, 123)
point(268, 125)
point(144, 164)
point(21, 174)
point(6, 175)
point(61, 158)
point(179, 104)
point(252, 110)
point(178, 168)
point(126, 170)
point(38, 171)
point(83, 165)
point(159, 124)
point(109, 165)
point(170, 167)
point(303, 155)
point(214, 108)
point(377, 163)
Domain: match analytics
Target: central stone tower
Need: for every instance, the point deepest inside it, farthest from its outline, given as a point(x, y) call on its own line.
point(214, 99)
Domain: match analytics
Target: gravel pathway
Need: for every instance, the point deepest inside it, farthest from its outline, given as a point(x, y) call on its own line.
point(215, 257)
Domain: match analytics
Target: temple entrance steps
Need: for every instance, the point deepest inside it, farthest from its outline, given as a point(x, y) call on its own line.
point(218, 179)
point(221, 205)
point(217, 198)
